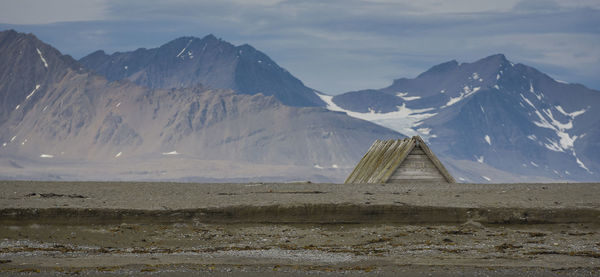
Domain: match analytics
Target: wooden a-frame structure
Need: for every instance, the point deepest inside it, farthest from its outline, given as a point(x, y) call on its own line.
point(406, 160)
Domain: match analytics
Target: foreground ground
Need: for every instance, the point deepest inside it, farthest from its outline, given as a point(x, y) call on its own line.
point(157, 229)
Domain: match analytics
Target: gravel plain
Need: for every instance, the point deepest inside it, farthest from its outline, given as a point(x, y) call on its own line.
point(298, 229)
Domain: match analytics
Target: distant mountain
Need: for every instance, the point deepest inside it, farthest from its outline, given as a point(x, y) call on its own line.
point(508, 119)
point(211, 62)
point(64, 122)
point(205, 110)
point(27, 66)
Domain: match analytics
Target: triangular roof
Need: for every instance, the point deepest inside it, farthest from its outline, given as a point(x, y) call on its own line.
point(385, 157)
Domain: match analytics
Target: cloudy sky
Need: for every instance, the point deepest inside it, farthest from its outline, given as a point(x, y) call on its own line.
point(335, 45)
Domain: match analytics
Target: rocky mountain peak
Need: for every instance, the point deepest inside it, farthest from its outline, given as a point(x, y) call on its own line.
point(494, 60)
point(492, 113)
point(27, 66)
point(210, 62)
point(440, 69)
point(87, 126)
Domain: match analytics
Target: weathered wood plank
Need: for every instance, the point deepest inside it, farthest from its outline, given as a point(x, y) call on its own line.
point(417, 166)
point(400, 154)
point(418, 151)
point(435, 160)
point(416, 181)
point(401, 160)
point(355, 176)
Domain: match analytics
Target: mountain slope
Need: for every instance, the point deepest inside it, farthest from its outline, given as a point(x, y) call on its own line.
point(211, 62)
point(510, 117)
point(78, 119)
point(28, 65)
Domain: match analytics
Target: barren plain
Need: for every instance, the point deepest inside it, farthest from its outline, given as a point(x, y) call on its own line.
point(298, 229)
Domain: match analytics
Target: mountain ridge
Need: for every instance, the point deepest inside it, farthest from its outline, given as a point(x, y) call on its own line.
point(491, 111)
point(79, 119)
point(20, 83)
point(509, 121)
point(211, 62)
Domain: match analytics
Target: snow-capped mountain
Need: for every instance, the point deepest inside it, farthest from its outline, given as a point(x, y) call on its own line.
point(211, 62)
point(491, 120)
point(64, 122)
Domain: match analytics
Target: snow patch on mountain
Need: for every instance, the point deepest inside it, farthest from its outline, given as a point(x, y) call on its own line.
point(558, 124)
point(404, 120)
point(581, 164)
point(566, 141)
point(467, 91)
point(571, 115)
point(531, 87)
point(553, 145)
point(480, 159)
point(32, 92)
point(527, 101)
point(539, 96)
point(42, 58)
point(405, 97)
point(184, 48)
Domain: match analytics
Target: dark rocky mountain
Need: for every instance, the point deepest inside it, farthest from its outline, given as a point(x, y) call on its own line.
point(510, 121)
point(211, 62)
point(27, 67)
point(79, 125)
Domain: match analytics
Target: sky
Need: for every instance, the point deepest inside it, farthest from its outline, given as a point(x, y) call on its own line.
point(335, 46)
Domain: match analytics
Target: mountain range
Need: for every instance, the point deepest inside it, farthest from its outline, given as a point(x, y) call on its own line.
point(211, 62)
point(63, 120)
point(205, 110)
point(491, 113)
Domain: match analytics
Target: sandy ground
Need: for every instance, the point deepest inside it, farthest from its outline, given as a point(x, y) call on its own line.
point(300, 229)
